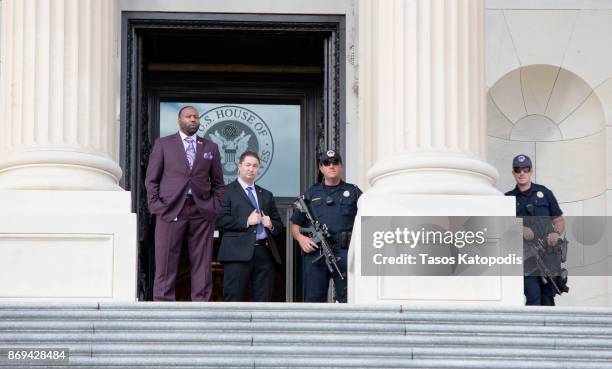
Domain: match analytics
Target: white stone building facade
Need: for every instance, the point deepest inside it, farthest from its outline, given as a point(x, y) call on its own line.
point(439, 96)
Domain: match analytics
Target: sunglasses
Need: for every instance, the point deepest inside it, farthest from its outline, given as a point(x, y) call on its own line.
point(521, 170)
point(327, 163)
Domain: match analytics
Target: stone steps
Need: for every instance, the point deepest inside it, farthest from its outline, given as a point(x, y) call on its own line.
point(250, 335)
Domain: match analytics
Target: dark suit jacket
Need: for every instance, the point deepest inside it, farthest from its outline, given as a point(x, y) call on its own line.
point(169, 178)
point(238, 241)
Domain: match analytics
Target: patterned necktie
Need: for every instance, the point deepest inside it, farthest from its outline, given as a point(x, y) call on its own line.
point(191, 153)
point(261, 233)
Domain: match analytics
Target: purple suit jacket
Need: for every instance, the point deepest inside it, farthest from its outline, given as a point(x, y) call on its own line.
point(168, 178)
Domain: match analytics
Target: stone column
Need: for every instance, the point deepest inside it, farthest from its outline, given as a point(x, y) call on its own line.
point(422, 97)
point(422, 121)
point(59, 119)
point(66, 227)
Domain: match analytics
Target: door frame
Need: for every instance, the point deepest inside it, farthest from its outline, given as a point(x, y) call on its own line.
point(135, 135)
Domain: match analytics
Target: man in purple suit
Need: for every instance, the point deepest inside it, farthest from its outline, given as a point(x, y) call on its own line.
point(185, 190)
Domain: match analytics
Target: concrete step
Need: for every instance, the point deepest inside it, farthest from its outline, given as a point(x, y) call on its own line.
point(184, 349)
point(521, 317)
point(297, 362)
point(330, 338)
point(348, 328)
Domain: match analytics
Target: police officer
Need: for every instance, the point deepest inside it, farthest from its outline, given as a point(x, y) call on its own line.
point(334, 203)
point(536, 201)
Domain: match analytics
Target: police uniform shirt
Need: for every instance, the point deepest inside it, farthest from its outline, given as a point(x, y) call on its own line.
point(541, 198)
point(340, 215)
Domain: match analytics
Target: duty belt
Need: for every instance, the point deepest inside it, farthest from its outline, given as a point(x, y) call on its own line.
point(341, 240)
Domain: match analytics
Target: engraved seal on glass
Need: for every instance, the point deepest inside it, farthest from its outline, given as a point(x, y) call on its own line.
point(235, 130)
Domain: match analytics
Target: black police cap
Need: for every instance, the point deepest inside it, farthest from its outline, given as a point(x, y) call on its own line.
point(521, 161)
point(329, 155)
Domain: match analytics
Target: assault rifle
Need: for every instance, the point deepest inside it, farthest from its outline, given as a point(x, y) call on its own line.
point(537, 248)
point(319, 234)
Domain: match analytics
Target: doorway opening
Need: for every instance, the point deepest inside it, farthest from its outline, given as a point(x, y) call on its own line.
point(286, 72)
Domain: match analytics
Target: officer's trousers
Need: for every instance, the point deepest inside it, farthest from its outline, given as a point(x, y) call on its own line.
point(539, 293)
point(316, 277)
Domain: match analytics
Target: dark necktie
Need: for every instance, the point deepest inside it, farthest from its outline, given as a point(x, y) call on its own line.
point(261, 233)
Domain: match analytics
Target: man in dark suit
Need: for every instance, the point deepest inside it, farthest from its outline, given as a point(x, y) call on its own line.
point(184, 184)
point(249, 220)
